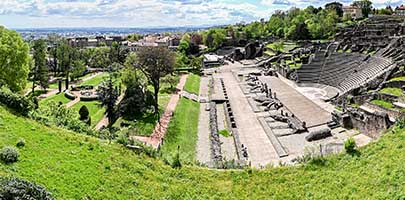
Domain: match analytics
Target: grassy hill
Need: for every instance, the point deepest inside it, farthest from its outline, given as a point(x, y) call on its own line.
point(73, 166)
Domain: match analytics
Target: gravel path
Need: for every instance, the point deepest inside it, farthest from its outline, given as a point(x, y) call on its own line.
point(203, 142)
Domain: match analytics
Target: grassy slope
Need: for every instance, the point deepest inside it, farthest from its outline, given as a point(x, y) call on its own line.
point(193, 84)
point(56, 98)
point(182, 131)
point(74, 166)
point(394, 91)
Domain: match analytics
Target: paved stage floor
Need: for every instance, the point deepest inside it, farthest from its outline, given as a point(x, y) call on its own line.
point(302, 107)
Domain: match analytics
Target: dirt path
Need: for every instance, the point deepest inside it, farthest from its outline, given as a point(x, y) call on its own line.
point(159, 132)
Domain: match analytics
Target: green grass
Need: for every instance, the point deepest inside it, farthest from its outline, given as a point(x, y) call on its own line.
point(182, 132)
point(401, 78)
point(146, 122)
point(224, 133)
point(56, 98)
point(383, 103)
point(96, 112)
point(95, 81)
point(193, 84)
point(73, 166)
point(393, 91)
point(287, 46)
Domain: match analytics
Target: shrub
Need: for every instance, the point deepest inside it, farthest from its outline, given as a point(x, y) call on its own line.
point(9, 155)
point(350, 146)
point(18, 103)
point(58, 115)
point(84, 113)
point(69, 95)
point(20, 142)
point(176, 161)
point(14, 188)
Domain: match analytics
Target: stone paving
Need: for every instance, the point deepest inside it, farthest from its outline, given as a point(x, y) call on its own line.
point(260, 150)
point(302, 107)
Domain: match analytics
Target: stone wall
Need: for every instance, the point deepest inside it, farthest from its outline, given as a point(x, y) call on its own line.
point(369, 124)
point(214, 136)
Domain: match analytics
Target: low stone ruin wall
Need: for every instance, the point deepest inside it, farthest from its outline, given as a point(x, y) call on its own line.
point(214, 136)
point(370, 124)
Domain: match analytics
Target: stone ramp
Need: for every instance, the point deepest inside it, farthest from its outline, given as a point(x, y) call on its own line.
point(273, 138)
point(302, 107)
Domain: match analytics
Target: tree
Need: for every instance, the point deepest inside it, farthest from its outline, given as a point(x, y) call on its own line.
point(365, 5)
point(108, 94)
point(336, 6)
point(84, 115)
point(14, 60)
point(155, 63)
point(78, 68)
point(64, 54)
point(39, 71)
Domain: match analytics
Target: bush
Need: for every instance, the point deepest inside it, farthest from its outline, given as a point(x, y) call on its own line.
point(9, 155)
point(18, 103)
point(20, 142)
point(14, 188)
point(84, 113)
point(350, 146)
point(58, 115)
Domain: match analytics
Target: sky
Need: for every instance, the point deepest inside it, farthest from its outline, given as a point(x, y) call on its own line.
point(146, 13)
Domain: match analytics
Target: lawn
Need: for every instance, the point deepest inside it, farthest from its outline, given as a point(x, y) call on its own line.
point(73, 166)
point(401, 78)
point(182, 131)
point(96, 112)
point(95, 81)
point(382, 103)
point(56, 98)
point(393, 91)
point(286, 46)
point(193, 84)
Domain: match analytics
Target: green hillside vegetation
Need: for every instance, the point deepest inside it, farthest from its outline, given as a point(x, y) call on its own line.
point(182, 131)
point(74, 166)
point(393, 91)
point(193, 84)
point(56, 98)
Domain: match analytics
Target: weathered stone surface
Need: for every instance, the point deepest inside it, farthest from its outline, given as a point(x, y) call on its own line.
point(318, 134)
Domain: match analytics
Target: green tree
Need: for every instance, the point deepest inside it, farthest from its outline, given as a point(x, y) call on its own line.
point(77, 70)
point(365, 5)
point(39, 71)
point(65, 54)
point(14, 60)
point(155, 63)
point(108, 94)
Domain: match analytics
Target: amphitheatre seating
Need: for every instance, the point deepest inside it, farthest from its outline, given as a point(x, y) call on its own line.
point(345, 71)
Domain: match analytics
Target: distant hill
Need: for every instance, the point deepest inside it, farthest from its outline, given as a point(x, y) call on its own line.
point(73, 166)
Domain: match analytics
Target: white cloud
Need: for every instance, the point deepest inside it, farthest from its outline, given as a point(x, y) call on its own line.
point(137, 13)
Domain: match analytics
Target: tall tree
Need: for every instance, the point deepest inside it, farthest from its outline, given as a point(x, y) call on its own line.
point(365, 5)
point(14, 60)
point(336, 6)
point(39, 72)
point(108, 94)
point(155, 63)
point(64, 54)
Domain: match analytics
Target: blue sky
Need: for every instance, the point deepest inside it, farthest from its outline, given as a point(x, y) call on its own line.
point(145, 13)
